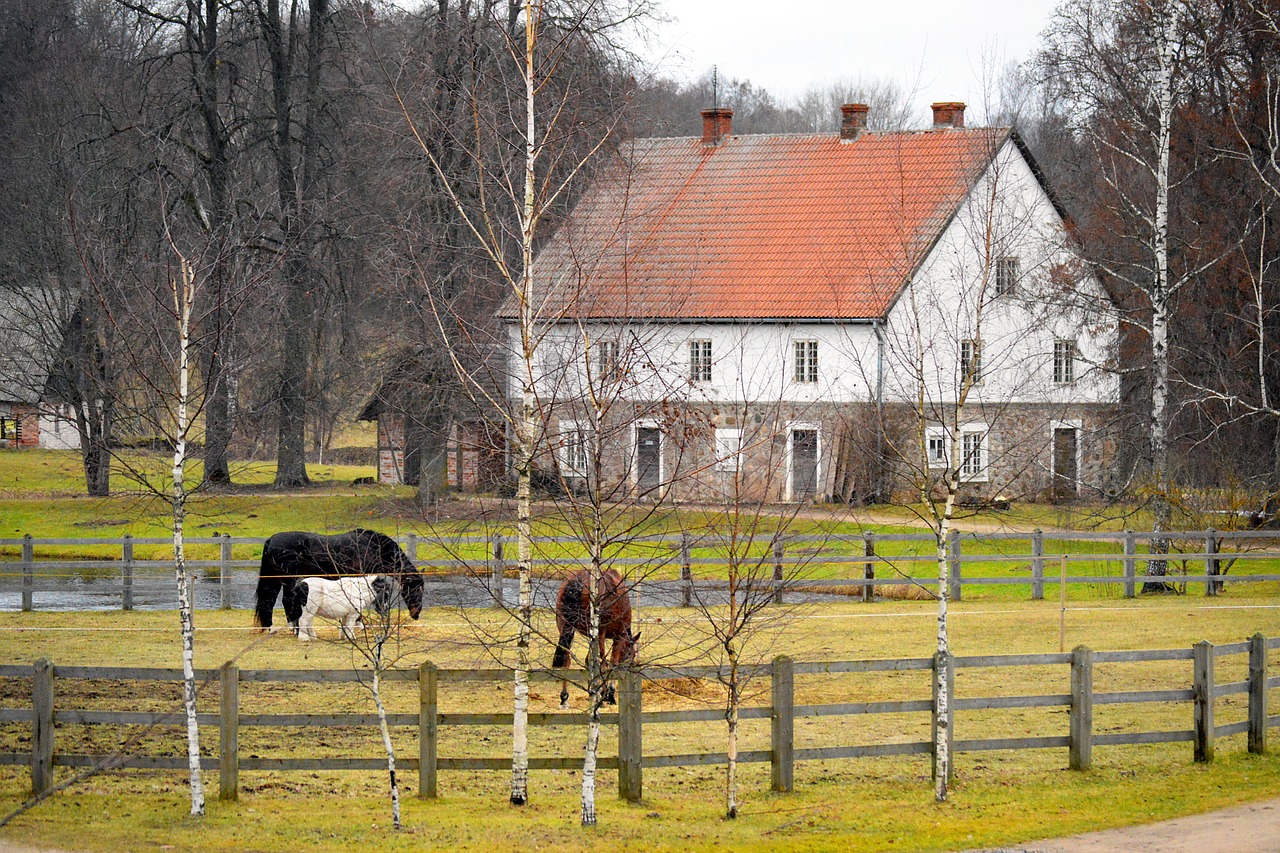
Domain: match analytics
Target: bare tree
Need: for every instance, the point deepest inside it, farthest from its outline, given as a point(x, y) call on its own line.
point(556, 142)
point(1126, 72)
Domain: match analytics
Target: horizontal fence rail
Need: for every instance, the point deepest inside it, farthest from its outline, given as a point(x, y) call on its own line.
point(665, 570)
point(1200, 692)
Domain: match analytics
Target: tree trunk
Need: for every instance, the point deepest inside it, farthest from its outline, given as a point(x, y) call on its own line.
point(1158, 426)
point(731, 766)
point(296, 199)
point(183, 296)
point(526, 428)
point(217, 169)
point(387, 745)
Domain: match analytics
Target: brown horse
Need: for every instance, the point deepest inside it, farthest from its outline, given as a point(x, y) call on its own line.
point(573, 608)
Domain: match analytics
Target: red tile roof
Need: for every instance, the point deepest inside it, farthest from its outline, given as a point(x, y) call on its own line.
point(788, 226)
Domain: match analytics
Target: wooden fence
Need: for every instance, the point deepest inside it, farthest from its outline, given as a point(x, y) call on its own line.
point(44, 716)
point(862, 562)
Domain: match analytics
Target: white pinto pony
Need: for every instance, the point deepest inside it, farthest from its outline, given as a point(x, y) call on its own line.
point(343, 599)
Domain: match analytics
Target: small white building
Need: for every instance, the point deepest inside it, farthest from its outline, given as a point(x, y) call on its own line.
point(800, 316)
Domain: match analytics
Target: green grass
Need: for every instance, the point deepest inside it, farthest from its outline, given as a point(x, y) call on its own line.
point(869, 804)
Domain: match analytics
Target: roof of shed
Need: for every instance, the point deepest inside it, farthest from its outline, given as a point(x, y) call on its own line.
point(33, 324)
point(769, 226)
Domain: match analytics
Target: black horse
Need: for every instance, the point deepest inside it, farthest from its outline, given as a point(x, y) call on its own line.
point(288, 557)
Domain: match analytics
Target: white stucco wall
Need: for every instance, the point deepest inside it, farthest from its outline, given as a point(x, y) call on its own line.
point(953, 298)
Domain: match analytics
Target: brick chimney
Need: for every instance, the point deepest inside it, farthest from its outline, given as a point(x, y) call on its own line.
point(948, 114)
point(717, 125)
point(853, 120)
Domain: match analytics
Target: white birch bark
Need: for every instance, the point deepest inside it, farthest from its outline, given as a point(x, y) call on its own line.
point(595, 697)
point(183, 296)
point(1158, 427)
point(386, 737)
point(731, 766)
point(525, 431)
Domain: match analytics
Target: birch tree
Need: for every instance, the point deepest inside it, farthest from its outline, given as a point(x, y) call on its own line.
point(513, 196)
point(1124, 71)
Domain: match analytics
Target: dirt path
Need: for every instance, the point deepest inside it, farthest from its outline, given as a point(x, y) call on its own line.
point(1253, 828)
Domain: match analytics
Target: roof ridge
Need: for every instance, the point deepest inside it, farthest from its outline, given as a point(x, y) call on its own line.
point(835, 135)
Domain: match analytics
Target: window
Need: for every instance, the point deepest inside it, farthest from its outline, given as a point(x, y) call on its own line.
point(1006, 275)
point(1064, 362)
point(971, 361)
point(973, 454)
point(935, 447)
point(607, 366)
point(700, 361)
point(728, 449)
point(575, 449)
point(806, 361)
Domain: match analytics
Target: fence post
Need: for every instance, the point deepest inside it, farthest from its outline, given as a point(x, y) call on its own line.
point(497, 572)
point(28, 571)
point(428, 729)
point(1130, 563)
point(42, 726)
point(1258, 694)
point(782, 725)
point(630, 737)
point(1202, 662)
point(869, 568)
point(1210, 562)
point(686, 572)
point(126, 572)
point(229, 733)
point(224, 569)
point(777, 569)
point(953, 557)
point(1081, 730)
point(940, 660)
point(1037, 565)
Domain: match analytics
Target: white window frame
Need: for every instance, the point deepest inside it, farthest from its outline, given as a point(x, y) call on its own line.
point(980, 472)
point(728, 449)
point(804, 355)
point(1007, 271)
point(971, 360)
point(575, 448)
point(1076, 424)
point(1064, 361)
point(608, 366)
point(936, 436)
point(648, 423)
point(700, 355)
point(792, 428)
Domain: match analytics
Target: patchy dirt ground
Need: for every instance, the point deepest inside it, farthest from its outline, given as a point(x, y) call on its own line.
point(1253, 828)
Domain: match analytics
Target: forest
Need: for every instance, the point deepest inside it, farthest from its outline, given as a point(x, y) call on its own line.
point(323, 166)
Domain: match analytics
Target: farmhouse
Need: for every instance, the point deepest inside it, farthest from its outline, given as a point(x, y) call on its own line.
point(798, 317)
point(32, 337)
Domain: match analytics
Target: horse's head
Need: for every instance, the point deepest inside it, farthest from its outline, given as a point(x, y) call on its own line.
point(630, 643)
point(411, 588)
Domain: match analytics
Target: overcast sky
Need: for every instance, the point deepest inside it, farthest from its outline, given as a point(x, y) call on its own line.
point(935, 47)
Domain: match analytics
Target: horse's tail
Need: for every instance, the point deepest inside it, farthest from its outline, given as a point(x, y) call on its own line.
point(569, 612)
point(269, 582)
point(561, 657)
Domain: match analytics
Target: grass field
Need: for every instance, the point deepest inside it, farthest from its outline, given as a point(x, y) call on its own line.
point(869, 804)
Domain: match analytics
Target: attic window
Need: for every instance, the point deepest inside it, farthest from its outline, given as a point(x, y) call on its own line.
point(971, 361)
point(1006, 275)
point(1064, 362)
